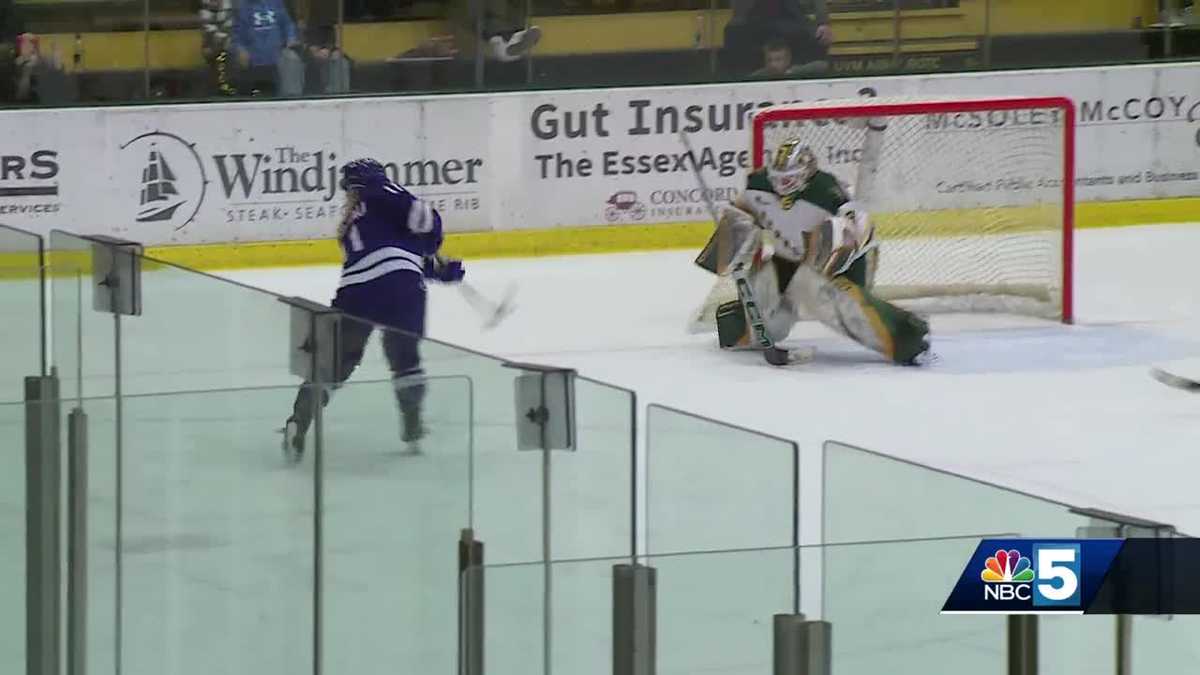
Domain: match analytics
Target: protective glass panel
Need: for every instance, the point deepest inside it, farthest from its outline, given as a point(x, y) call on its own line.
point(12, 539)
point(394, 512)
point(507, 483)
point(871, 497)
point(194, 331)
point(1165, 645)
point(21, 305)
point(715, 611)
point(591, 488)
point(216, 538)
point(104, 615)
point(883, 624)
point(712, 486)
point(82, 340)
point(198, 331)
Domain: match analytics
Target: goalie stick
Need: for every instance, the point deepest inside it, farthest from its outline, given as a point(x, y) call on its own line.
point(774, 354)
point(1176, 381)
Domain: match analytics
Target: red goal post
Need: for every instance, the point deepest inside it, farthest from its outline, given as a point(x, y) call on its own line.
point(973, 197)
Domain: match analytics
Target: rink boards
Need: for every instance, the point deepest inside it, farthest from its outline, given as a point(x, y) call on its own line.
point(529, 173)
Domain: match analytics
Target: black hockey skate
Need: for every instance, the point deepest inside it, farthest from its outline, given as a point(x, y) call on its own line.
point(413, 430)
point(293, 442)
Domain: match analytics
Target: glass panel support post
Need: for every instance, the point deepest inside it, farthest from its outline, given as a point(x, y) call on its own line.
point(43, 576)
point(544, 399)
point(634, 627)
point(77, 542)
point(1022, 632)
point(117, 290)
point(314, 350)
point(802, 647)
point(470, 604)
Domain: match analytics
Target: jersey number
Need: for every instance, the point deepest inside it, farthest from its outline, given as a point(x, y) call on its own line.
point(420, 218)
point(356, 243)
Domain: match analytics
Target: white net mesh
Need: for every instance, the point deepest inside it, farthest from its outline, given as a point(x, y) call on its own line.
point(967, 196)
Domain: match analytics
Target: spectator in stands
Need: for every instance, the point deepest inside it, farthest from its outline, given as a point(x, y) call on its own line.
point(28, 58)
point(777, 63)
point(327, 67)
point(755, 22)
point(216, 20)
point(40, 78)
point(11, 25)
point(496, 26)
point(266, 46)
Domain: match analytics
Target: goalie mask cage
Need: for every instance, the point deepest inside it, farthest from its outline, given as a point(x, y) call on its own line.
point(972, 199)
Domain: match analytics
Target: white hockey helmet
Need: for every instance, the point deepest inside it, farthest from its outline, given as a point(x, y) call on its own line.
point(793, 165)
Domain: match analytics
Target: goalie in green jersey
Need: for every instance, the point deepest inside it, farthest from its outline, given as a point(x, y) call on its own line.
point(807, 250)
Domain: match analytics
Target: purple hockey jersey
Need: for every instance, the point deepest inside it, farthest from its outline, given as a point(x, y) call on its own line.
point(390, 231)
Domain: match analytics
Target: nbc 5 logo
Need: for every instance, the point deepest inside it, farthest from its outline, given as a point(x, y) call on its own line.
point(1050, 579)
point(1058, 575)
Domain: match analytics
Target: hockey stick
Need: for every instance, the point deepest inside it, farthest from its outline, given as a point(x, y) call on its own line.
point(491, 312)
point(1176, 381)
point(776, 356)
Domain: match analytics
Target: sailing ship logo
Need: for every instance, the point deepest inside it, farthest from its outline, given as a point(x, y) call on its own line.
point(160, 198)
point(173, 182)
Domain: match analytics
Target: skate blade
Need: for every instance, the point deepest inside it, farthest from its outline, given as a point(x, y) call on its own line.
point(412, 450)
point(291, 454)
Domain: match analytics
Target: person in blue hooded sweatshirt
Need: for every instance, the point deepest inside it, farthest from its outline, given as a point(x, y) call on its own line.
point(262, 29)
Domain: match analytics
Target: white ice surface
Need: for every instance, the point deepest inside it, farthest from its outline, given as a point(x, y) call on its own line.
point(217, 543)
point(1066, 412)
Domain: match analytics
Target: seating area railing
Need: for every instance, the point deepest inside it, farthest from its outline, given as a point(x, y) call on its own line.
point(114, 51)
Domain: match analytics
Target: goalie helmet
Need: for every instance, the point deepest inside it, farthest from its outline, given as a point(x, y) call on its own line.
point(792, 167)
point(362, 173)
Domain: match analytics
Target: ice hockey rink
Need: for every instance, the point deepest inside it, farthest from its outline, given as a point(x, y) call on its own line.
point(1062, 411)
point(217, 543)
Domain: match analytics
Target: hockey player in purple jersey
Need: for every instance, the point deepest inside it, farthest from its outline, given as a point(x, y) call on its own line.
point(390, 241)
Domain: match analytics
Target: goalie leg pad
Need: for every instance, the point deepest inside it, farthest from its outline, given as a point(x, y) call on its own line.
point(847, 308)
point(894, 332)
point(778, 312)
point(862, 271)
point(778, 315)
point(731, 325)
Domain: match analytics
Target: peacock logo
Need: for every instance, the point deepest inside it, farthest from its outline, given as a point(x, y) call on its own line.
point(1007, 567)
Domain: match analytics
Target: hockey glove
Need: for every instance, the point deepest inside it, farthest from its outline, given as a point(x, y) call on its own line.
point(447, 270)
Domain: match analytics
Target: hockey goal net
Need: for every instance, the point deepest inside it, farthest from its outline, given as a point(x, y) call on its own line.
point(972, 198)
